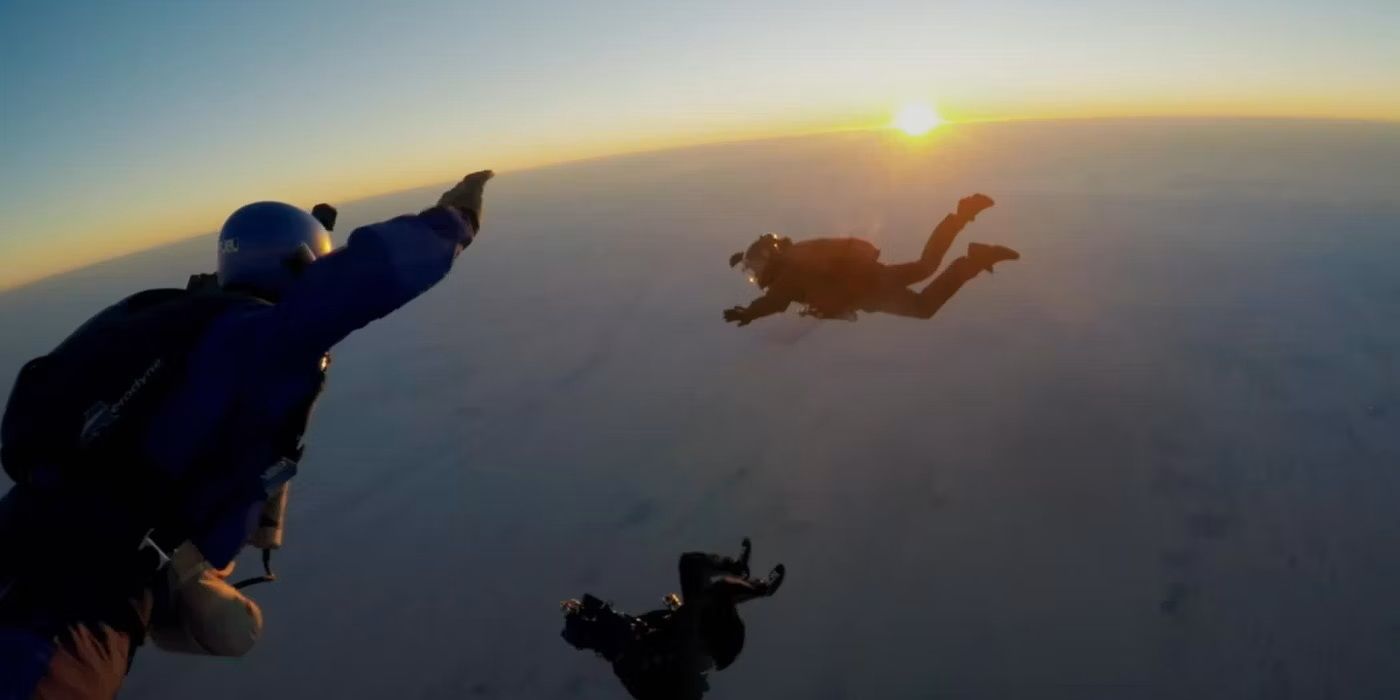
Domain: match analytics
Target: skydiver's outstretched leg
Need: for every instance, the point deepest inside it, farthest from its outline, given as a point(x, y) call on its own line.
point(699, 569)
point(709, 574)
point(938, 243)
point(746, 548)
point(735, 590)
point(925, 303)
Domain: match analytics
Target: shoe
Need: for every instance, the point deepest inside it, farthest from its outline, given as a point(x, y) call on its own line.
point(970, 207)
point(983, 256)
point(775, 579)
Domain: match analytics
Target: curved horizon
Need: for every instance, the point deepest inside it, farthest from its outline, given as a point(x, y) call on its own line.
point(656, 150)
point(126, 126)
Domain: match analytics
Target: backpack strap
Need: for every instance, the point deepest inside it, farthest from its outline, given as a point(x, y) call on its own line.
point(266, 577)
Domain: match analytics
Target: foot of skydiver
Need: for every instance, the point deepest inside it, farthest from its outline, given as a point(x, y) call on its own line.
point(985, 256)
point(942, 237)
point(769, 585)
point(775, 580)
point(972, 205)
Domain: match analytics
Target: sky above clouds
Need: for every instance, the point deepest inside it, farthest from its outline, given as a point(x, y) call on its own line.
point(126, 124)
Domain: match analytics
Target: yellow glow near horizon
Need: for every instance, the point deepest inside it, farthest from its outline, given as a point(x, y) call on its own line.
point(917, 119)
point(60, 239)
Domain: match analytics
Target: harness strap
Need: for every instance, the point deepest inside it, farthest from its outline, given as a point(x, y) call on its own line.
point(267, 577)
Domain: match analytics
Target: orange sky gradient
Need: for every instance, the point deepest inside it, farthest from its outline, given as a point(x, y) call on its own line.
point(107, 151)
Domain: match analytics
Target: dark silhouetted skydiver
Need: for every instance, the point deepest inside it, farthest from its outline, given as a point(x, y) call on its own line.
point(833, 278)
point(665, 654)
point(157, 441)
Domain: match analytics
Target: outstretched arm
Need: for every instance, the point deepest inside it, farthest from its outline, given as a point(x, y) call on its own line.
point(382, 267)
point(766, 305)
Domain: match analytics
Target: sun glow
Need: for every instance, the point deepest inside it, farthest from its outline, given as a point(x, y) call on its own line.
point(917, 119)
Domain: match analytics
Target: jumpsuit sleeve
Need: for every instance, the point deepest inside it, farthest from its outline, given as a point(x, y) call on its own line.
point(775, 300)
point(382, 267)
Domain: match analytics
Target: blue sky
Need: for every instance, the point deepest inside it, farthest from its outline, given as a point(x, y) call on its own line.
point(123, 124)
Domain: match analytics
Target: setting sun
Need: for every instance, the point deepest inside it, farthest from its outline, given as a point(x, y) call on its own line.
point(916, 119)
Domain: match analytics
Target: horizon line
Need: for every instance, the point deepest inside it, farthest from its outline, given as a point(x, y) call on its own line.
point(735, 140)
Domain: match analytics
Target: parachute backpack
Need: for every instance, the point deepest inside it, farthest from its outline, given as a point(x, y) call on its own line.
point(76, 416)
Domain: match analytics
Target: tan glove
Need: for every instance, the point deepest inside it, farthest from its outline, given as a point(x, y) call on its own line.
point(465, 196)
point(200, 613)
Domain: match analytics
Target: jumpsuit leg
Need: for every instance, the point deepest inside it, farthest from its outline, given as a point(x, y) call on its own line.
point(717, 576)
point(90, 659)
point(698, 568)
point(905, 274)
point(901, 301)
point(735, 589)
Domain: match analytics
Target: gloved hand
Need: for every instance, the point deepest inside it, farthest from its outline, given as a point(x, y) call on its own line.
point(203, 281)
point(737, 314)
point(970, 207)
point(325, 214)
point(465, 196)
point(198, 612)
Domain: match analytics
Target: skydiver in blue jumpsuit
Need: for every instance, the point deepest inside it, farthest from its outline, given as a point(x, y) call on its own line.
point(69, 625)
